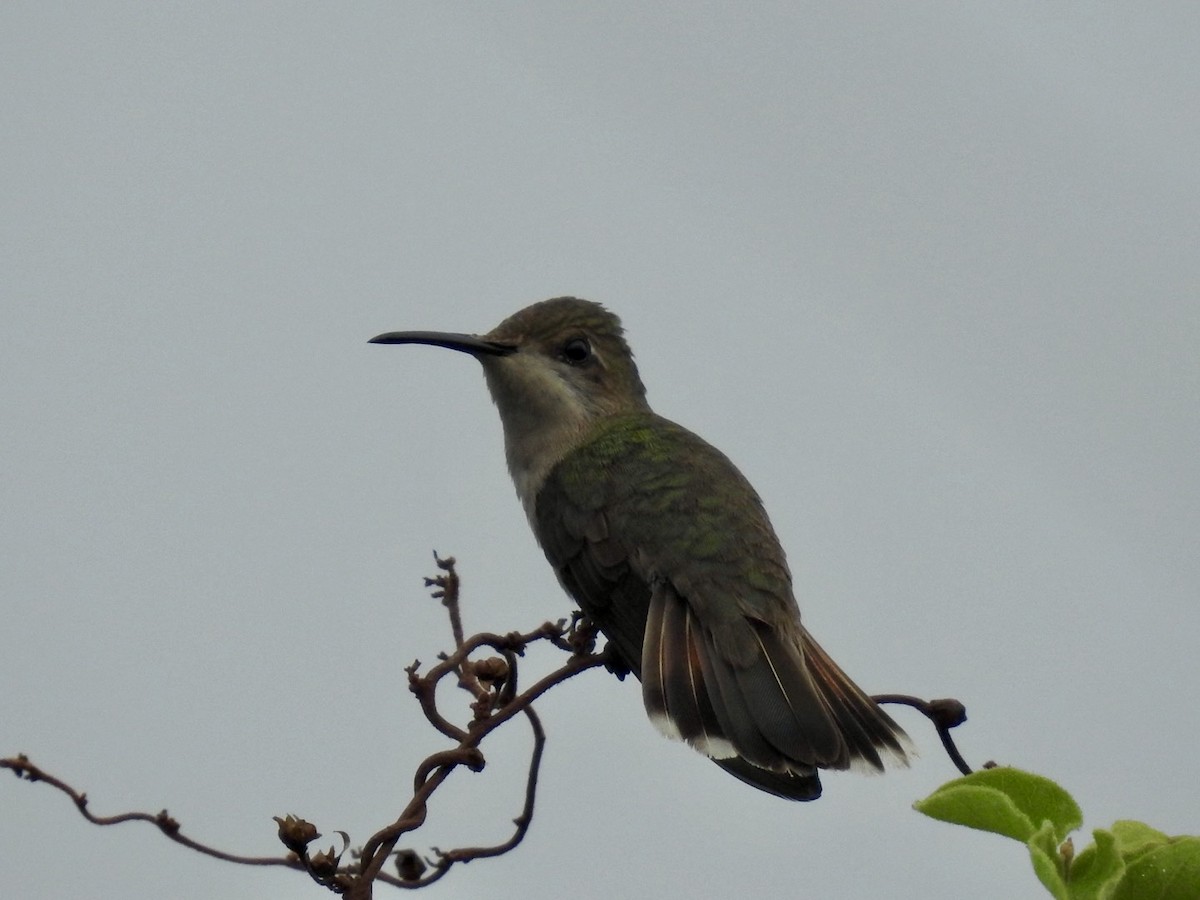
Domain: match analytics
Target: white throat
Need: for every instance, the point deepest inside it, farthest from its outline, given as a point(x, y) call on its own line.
point(544, 417)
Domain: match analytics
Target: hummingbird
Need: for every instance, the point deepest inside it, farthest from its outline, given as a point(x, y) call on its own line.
point(668, 550)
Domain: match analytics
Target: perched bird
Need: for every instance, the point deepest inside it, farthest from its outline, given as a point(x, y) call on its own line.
point(666, 547)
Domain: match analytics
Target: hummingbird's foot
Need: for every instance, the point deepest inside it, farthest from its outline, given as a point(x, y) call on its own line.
point(581, 634)
point(614, 663)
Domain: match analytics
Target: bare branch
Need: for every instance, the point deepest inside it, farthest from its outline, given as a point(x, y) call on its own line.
point(944, 714)
point(23, 767)
point(493, 684)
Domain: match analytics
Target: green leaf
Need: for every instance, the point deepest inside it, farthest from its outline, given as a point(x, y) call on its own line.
point(1004, 801)
point(1130, 861)
point(1097, 868)
point(977, 807)
point(1170, 871)
point(1047, 863)
point(1136, 838)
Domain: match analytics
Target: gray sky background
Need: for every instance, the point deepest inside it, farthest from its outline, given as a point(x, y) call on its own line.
point(927, 272)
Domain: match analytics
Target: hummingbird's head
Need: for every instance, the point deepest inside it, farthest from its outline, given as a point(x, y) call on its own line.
point(569, 358)
point(554, 369)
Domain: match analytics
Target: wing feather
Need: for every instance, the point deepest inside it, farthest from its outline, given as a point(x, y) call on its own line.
point(679, 567)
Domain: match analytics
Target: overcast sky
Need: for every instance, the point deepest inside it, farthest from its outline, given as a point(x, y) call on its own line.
point(927, 272)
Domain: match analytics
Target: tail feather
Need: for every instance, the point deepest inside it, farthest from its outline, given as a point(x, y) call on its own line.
point(737, 712)
point(788, 785)
point(674, 691)
point(654, 690)
point(686, 689)
point(770, 717)
point(872, 735)
point(786, 703)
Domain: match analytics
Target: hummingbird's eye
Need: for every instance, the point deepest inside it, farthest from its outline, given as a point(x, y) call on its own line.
point(577, 351)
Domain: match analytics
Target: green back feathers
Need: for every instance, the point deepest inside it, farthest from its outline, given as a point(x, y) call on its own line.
point(679, 509)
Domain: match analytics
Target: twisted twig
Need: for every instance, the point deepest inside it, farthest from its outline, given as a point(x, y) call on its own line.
point(493, 685)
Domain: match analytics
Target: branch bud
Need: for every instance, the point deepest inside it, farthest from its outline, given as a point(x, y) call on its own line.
point(296, 834)
point(323, 864)
point(409, 865)
point(492, 670)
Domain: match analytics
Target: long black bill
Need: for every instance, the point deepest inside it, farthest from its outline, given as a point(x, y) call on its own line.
point(465, 343)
